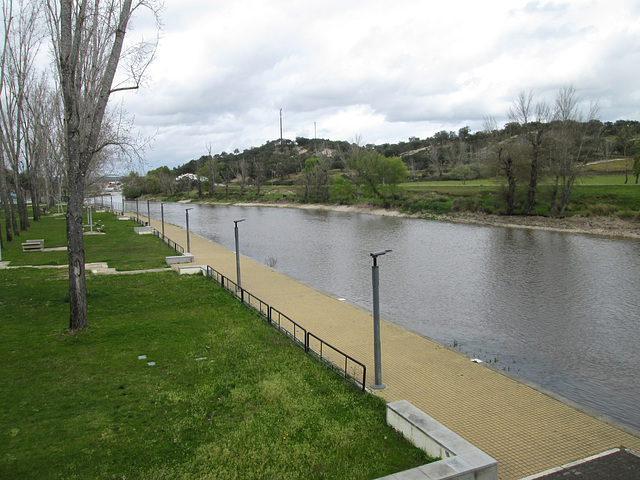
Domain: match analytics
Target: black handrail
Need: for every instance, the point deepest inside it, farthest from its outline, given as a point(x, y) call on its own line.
point(178, 248)
point(347, 358)
point(295, 332)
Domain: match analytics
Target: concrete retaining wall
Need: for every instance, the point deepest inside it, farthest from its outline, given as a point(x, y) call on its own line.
point(460, 459)
point(192, 269)
point(184, 258)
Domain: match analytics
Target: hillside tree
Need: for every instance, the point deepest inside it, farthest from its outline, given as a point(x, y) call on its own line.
point(380, 174)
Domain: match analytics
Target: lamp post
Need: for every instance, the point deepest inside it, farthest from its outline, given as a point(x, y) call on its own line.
point(148, 214)
point(137, 212)
point(186, 210)
point(236, 222)
point(162, 216)
point(378, 385)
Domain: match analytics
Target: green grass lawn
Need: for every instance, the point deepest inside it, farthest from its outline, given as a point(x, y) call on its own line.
point(227, 396)
point(119, 246)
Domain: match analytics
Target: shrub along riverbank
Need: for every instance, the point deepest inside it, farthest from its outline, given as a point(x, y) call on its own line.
point(174, 378)
point(601, 203)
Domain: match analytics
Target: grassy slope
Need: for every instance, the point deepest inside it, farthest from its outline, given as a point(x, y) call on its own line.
point(82, 405)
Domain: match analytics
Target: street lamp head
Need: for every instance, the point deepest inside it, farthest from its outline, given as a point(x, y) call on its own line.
point(379, 253)
point(187, 209)
point(238, 221)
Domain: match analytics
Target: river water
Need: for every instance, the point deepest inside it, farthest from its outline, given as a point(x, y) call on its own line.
point(560, 310)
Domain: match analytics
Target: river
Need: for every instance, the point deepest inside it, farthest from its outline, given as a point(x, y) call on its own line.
point(560, 310)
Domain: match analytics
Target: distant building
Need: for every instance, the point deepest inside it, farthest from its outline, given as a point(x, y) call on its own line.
point(190, 176)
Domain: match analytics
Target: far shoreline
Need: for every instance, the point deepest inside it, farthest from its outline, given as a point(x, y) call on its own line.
point(610, 227)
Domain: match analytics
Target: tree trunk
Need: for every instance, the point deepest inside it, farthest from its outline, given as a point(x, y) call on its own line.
point(212, 178)
point(533, 179)
point(7, 219)
point(378, 194)
point(14, 221)
point(506, 160)
point(533, 183)
point(22, 204)
point(35, 201)
point(75, 246)
point(554, 196)
point(567, 187)
point(4, 199)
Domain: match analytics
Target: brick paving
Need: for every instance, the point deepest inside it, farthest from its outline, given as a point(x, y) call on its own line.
point(524, 429)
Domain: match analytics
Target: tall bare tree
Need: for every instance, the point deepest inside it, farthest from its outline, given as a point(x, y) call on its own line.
point(534, 120)
point(22, 42)
point(625, 139)
point(258, 173)
point(211, 169)
point(7, 16)
point(38, 133)
point(575, 137)
point(506, 152)
point(88, 39)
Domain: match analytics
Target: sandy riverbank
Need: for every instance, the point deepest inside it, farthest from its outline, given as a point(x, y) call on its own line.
point(600, 226)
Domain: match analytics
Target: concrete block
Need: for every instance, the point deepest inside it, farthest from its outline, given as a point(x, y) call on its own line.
point(191, 269)
point(460, 459)
point(184, 258)
point(437, 470)
point(143, 230)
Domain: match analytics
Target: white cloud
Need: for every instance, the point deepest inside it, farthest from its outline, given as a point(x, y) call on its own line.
point(384, 70)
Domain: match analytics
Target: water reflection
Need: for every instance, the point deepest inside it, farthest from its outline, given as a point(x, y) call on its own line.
point(560, 310)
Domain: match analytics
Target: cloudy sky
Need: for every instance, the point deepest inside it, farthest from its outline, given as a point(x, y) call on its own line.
point(383, 70)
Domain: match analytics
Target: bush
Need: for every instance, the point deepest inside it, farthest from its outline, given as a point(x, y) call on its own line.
point(342, 190)
point(470, 204)
point(601, 209)
point(131, 191)
point(437, 204)
point(628, 215)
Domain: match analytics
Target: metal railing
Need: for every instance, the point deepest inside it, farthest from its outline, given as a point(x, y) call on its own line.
point(177, 247)
point(345, 365)
point(290, 328)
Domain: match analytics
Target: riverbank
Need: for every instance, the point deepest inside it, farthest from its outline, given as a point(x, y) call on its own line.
point(597, 225)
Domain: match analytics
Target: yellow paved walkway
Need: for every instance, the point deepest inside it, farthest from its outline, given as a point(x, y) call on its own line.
point(525, 430)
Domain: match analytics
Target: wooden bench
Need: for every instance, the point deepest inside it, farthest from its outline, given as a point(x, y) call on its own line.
point(33, 245)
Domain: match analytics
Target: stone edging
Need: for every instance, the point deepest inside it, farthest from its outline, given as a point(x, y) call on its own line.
point(459, 458)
